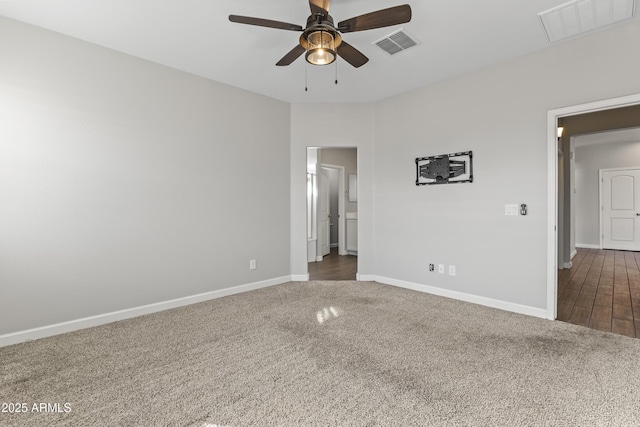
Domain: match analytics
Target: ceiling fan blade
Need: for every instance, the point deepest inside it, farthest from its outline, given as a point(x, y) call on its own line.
point(352, 55)
point(264, 23)
point(291, 56)
point(381, 18)
point(319, 6)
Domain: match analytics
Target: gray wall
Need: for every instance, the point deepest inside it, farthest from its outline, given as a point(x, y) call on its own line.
point(500, 113)
point(589, 160)
point(124, 183)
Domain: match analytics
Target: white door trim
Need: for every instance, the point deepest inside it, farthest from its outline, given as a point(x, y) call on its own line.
point(324, 219)
point(341, 206)
point(552, 184)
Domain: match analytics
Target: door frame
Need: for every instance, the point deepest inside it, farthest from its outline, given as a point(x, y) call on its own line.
point(319, 231)
point(341, 206)
point(552, 185)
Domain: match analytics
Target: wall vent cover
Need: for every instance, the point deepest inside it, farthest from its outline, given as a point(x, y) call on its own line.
point(396, 42)
point(580, 16)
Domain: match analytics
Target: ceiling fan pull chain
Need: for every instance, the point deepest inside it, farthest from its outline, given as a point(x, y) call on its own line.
point(305, 77)
point(336, 71)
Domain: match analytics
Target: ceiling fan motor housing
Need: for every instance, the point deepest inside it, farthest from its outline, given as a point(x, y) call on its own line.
point(320, 39)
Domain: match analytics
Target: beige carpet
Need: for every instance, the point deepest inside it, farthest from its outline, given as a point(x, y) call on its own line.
point(326, 353)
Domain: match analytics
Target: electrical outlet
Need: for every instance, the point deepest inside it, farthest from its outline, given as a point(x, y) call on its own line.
point(431, 267)
point(452, 270)
point(441, 268)
point(252, 264)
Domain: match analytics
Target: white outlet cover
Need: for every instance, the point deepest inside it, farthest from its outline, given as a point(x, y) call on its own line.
point(452, 270)
point(441, 268)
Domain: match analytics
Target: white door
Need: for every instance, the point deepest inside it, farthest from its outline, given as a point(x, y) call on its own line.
point(620, 207)
point(324, 217)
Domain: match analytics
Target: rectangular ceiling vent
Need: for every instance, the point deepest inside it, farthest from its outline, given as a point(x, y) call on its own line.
point(396, 42)
point(580, 16)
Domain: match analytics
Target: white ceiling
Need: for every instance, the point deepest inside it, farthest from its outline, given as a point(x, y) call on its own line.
point(196, 36)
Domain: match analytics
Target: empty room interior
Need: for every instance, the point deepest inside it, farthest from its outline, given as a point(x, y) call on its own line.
point(214, 214)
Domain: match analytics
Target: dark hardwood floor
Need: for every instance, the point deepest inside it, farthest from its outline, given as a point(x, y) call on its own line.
point(602, 291)
point(334, 267)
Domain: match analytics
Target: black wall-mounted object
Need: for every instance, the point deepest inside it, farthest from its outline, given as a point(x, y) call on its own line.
point(523, 209)
point(445, 169)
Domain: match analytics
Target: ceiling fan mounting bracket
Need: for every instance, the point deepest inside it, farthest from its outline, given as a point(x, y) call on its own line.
point(318, 17)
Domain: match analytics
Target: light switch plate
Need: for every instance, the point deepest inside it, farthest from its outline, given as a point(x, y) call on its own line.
point(511, 209)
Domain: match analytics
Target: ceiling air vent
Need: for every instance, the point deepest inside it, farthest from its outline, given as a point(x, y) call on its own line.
point(580, 16)
point(396, 42)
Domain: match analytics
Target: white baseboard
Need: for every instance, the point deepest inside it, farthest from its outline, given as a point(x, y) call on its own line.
point(587, 246)
point(101, 319)
point(489, 302)
point(574, 253)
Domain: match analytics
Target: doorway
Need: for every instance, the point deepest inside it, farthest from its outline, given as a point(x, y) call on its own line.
point(330, 213)
point(559, 191)
point(595, 154)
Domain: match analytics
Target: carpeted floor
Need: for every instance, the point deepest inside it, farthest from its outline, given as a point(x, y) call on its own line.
point(325, 353)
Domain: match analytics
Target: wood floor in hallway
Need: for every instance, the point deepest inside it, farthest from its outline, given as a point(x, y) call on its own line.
point(602, 291)
point(334, 267)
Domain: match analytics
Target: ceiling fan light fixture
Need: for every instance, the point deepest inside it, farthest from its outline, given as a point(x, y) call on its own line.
point(321, 48)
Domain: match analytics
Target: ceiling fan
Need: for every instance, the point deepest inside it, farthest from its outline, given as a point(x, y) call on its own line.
point(322, 40)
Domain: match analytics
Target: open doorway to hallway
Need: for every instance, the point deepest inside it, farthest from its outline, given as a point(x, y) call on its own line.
point(332, 213)
point(598, 285)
